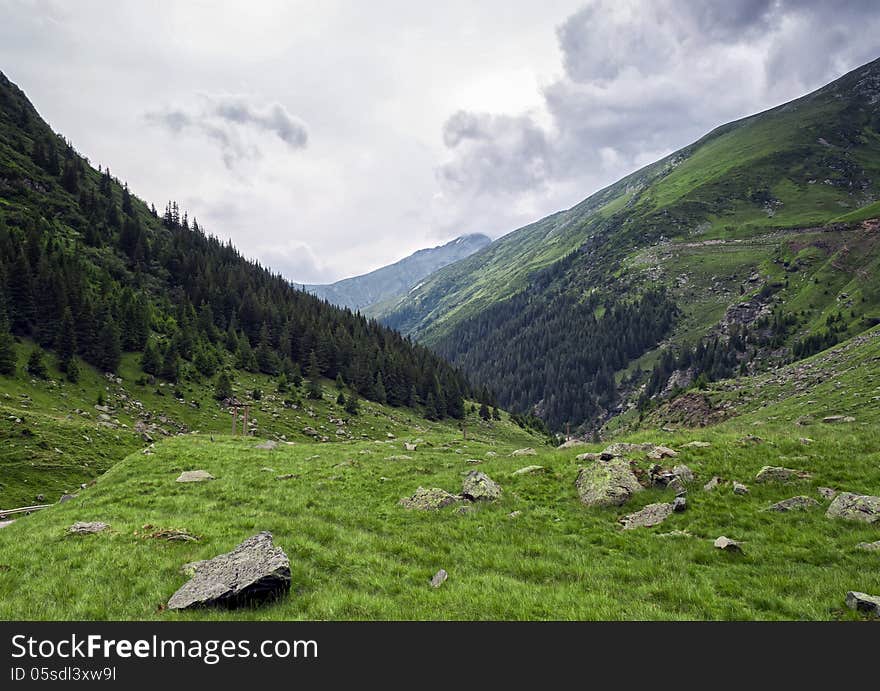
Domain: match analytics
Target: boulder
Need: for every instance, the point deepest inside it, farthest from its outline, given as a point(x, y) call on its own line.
point(728, 545)
point(697, 445)
point(66, 498)
point(194, 476)
point(310, 431)
point(862, 602)
point(607, 483)
point(439, 578)
point(679, 505)
point(254, 572)
point(772, 473)
point(739, 488)
point(429, 499)
point(869, 546)
point(794, 504)
point(836, 419)
point(571, 443)
point(480, 487)
point(267, 445)
point(855, 507)
point(620, 449)
point(87, 528)
point(683, 473)
point(589, 457)
point(525, 452)
point(651, 515)
point(408, 446)
point(529, 470)
point(514, 514)
point(660, 452)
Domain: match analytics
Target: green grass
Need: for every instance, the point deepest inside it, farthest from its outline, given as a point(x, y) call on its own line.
point(355, 554)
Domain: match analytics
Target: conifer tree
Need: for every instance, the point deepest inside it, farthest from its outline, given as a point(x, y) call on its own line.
point(223, 386)
point(7, 346)
point(314, 376)
point(379, 389)
point(65, 341)
point(352, 405)
point(72, 371)
point(340, 399)
point(151, 363)
point(36, 366)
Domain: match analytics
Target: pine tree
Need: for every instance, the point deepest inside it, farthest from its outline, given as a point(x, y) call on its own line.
point(36, 366)
point(111, 347)
point(379, 389)
point(340, 384)
point(431, 408)
point(150, 360)
point(495, 414)
point(484, 412)
point(267, 358)
point(223, 386)
point(7, 346)
point(283, 386)
point(170, 370)
point(296, 377)
point(340, 399)
point(314, 376)
point(352, 405)
point(65, 341)
point(72, 371)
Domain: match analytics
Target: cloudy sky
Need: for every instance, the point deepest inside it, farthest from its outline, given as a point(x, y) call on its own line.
point(329, 138)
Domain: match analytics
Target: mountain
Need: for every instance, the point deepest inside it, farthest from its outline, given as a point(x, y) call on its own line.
point(91, 272)
point(392, 282)
point(753, 246)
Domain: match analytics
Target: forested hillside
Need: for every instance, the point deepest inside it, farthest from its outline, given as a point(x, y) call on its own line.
point(89, 271)
point(762, 236)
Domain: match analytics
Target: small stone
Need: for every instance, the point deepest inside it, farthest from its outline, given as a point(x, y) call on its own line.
point(439, 578)
point(806, 441)
point(697, 445)
point(87, 528)
point(862, 602)
point(195, 476)
point(267, 445)
point(770, 473)
point(525, 452)
point(660, 452)
point(679, 505)
point(683, 473)
point(739, 488)
point(407, 446)
point(529, 470)
point(869, 546)
point(651, 515)
point(473, 461)
point(286, 476)
point(66, 498)
point(836, 419)
point(41, 498)
point(712, 484)
point(794, 504)
point(514, 514)
point(589, 457)
point(429, 499)
point(827, 493)
point(728, 545)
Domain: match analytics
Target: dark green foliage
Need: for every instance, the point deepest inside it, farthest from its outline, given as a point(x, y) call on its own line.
point(484, 412)
point(313, 390)
point(283, 385)
point(223, 386)
point(36, 365)
point(72, 371)
point(296, 378)
point(170, 369)
point(257, 394)
point(340, 399)
point(340, 384)
point(7, 346)
point(352, 405)
point(151, 362)
point(65, 342)
point(557, 352)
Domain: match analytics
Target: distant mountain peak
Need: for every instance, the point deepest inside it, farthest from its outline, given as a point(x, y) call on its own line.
point(396, 280)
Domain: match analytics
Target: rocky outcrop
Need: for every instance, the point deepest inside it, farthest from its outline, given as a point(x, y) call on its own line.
point(855, 507)
point(88, 528)
point(772, 473)
point(194, 476)
point(862, 602)
point(525, 452)
point(794, 504)
point(529, 470)
point(254, 572)
point(607, 483)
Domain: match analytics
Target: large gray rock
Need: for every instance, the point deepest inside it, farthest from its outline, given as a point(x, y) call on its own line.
point(862, 602)
point(525, 452)
point(607, 483)
point(683, 473)
point(480, 487)
point(254, 572)
point(855, 507)
point(651, 515)
point(728, 545)
point(772, 473)
point(88, 528)
point(194, 476)
point(429, 499)
point(793, 504)
point(529, 470)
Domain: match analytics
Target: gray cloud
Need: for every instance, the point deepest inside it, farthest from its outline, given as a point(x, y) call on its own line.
point(641, 79)
point(227, 121)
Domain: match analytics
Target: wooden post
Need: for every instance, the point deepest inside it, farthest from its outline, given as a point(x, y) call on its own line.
point(244, 424)
point(234, 416)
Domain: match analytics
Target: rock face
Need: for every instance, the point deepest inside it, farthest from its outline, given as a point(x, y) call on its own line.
point(439, 578)
point(862, 602)
point(794, 504)
point(255, 571)
point(855, 507)
point(428, 499)
point(480, 487)
point(607, 483)
point(87, 528)
point(195, 476)
point(652, 514)
point(728, 545)
point(529, 469)
point(772, 473)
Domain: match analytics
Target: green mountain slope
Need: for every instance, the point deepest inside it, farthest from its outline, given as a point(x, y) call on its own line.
point(759, 234)
point(390, 283)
